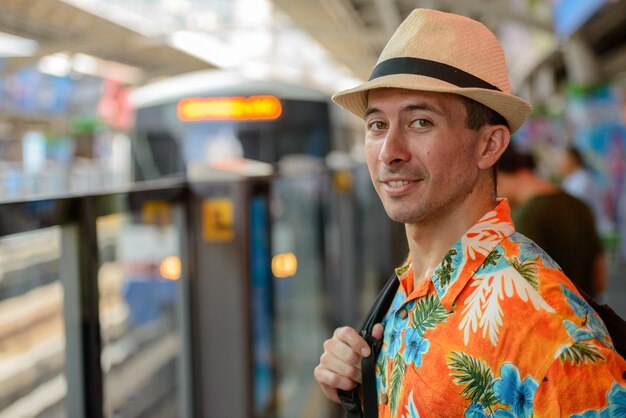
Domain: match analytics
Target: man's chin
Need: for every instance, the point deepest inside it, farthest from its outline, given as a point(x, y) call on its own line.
point(403, 218)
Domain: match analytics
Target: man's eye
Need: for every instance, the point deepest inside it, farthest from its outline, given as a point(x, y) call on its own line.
point(376, 125)
point(421, 123)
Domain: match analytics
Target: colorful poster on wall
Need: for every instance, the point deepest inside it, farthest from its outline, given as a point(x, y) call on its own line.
point(599, 132)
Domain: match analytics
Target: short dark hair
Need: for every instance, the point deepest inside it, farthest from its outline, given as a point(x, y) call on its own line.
point(479, 115)
point(576, 155)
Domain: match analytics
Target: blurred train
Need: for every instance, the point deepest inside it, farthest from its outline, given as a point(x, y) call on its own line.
point(211, 115)
point(201, 119)
point(316, 221)
point(204, 118)
point(197, 120)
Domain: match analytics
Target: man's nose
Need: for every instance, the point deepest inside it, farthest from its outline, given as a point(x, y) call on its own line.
point(395, 147)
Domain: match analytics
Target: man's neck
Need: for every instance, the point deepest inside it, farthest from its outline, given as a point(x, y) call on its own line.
point(429, 242)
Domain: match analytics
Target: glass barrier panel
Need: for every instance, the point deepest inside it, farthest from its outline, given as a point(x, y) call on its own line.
point(139, 285)
point(299, 303)
point(33, 382)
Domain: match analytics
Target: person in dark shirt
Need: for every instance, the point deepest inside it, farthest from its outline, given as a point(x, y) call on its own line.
point(561, 224)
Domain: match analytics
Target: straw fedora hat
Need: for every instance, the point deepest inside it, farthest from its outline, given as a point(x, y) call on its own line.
point(447, 53)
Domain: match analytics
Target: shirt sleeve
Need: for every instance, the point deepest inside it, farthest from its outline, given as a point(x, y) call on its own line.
point(587, 380)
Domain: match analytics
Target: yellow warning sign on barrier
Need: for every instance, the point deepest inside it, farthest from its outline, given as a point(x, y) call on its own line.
point(156, 212)
point(218, 220)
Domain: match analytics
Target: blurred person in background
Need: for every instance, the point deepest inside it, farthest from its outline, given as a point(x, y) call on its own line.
point(577, 180)
point(483, 322)
point(558, 222)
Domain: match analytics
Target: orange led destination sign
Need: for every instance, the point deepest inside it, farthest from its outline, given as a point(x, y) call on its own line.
point(228, 108)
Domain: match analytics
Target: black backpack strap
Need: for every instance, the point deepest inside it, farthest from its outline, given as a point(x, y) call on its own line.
point(351, 400)
point(368, 372)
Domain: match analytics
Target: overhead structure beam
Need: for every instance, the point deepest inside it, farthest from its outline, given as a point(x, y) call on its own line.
point(355, 31)
point(389, 14)
point(495, 10)
point(58, 26)
point(337, 26)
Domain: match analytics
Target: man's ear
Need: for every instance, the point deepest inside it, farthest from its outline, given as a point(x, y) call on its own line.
point(493, 141)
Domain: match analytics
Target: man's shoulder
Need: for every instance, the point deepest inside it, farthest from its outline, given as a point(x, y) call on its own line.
point(521, 269)
point(537, 291)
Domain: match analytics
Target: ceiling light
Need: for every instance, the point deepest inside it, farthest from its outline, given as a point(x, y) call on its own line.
point(16, 46)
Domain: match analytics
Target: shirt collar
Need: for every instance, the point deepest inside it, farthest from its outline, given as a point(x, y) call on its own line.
point(468, 254)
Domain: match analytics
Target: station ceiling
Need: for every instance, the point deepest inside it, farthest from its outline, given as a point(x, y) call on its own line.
point(58, 26)
point(355, 31)
point(352, 31)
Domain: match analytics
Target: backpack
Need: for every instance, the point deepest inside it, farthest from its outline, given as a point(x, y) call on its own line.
point(368, 408)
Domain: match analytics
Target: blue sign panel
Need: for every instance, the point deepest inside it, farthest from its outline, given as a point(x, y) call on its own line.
point(569, 15)
point(261, 305)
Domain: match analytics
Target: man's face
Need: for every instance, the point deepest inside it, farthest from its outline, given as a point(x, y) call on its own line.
point(420, 155)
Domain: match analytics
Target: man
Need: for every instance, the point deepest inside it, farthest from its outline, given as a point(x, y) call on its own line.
point(483, 323)
point(558, 222)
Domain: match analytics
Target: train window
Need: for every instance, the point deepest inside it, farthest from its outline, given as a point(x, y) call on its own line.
point(299, 298)
point(156, 154)
point(253, 144)
point(303, 127)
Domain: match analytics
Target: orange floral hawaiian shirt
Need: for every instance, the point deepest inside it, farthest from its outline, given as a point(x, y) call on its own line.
point(497, 331)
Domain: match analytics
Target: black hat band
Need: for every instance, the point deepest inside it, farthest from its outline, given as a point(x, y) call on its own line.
point(434, 69)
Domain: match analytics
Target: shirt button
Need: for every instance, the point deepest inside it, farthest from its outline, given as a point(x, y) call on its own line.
point(384, 399)
point(403, 313)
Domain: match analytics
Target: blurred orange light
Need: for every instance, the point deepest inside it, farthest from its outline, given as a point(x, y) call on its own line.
point(228, 108)
point(170, 267)
point(284, 265)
